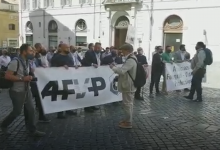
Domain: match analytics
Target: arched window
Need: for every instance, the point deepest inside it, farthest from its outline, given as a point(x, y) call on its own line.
point(81, 25)
point(122, 22)
point(52, 27)
point(29, 27)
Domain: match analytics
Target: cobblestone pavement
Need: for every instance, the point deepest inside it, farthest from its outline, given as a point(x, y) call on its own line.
point(163, 123)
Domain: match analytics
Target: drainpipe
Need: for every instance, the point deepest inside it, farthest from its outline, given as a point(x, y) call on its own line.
point(150, 29)
point(21, 25)
point(94, 20)
point(44, 18)
point(100, 20)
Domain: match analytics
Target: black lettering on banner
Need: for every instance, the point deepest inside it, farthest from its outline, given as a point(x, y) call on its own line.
point(95, 88)
point(80, 95)
point(65, 92)
point(169, 77)
point(53, 93)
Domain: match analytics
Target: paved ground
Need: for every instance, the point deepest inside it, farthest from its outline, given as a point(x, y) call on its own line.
point(167, 122)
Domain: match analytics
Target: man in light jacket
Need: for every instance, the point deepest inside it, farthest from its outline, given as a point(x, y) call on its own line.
point(125, 83)
point(180, 56)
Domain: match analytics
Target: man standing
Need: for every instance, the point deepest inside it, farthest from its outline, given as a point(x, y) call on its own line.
point(63, 59)
point(126, 84)
point(156, 71)
point(143, 60)
point(181, 56)
point(20, 93)
point(199, 69)
point(166, 58)
point(76, 58)
point(113, 58)
point(4, 60)
point(93, 58)
point(50, 54)
point(106, 53)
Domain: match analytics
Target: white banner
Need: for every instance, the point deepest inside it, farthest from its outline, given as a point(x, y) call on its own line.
point(178, 76)
point(61, 89)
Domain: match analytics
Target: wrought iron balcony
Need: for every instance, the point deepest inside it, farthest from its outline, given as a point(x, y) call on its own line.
point(121, 1)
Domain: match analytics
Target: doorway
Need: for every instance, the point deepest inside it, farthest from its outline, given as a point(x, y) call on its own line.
point(172, 32)
point(173, 39)
point(121, 28)
point(120, 36)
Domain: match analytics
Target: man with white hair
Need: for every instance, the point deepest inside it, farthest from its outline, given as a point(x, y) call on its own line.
point(4, 60)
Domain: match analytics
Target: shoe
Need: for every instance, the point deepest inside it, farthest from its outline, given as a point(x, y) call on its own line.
point(38, 134)
point(71, 113)
point(178, 90)
point(188, 97)
point(151, 96)
point(197, 100)
point(44, 120)
point(125, 125)
point(186, 90)
point(95, 108)
point(89, 109)
point(5, 131)
point(158, 94)
point(139, 98)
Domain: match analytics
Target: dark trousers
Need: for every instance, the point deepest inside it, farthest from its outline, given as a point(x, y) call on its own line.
point(155, 80)
point(20, 99)
point(138, 92)
point(196, 84)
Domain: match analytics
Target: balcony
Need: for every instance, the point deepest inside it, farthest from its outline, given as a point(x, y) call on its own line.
point(113, 2)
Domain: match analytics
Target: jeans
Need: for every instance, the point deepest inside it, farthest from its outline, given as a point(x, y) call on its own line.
point(155, 80)
point(128, 101)
point(196, 84)
point(20, 99)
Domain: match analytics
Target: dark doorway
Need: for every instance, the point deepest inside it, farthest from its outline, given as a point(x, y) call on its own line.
point(173, 39)
point(120, 35)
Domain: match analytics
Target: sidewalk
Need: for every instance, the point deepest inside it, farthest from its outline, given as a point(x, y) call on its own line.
point(164, 123)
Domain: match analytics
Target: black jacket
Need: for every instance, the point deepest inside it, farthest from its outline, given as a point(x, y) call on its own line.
point(141, 59)
point(109, 59)
point(90, 58)
point(157, 64)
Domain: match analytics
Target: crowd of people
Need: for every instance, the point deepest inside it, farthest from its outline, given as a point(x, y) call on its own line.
point(20, 70)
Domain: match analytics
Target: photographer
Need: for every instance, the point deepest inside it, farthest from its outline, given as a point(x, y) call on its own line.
point(20, 93)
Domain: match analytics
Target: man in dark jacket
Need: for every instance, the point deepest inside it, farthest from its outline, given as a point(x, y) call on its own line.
point(156, 70)
point(143, 60)
point(113, 58)
point(92, 58)
point(63, 59)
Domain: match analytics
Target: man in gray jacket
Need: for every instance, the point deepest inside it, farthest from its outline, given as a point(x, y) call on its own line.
point(180, 56)
point(125, 83)
point(199, 69)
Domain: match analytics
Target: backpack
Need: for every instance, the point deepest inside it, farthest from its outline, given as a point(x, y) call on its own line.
point(140, 79)
point(208, 59)
point(4, 83)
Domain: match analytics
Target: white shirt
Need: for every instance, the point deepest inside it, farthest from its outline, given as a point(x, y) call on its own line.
point(44, 61)
point(76, 61)
point(183, 53)
point(98, 58)
point(4, 60)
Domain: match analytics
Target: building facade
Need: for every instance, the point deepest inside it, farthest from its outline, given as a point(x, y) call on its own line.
point(156, 22)
point(9, 25)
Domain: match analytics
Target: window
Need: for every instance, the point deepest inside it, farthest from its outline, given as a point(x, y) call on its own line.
point(29, 27)
point(29, 39)
point(24, 4)
point(81, 40)
point(34, 4)
point(12, 43)
point(11, 26)
point(48, 3)
point(11, 7)
point(81, 25)
point(53, 41)
point(66, 2)
point(52, 27)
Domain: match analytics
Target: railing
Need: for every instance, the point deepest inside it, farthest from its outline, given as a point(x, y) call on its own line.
point(120, 1)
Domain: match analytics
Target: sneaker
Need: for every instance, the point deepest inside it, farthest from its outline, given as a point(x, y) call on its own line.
point(88, 109)
point(125, 125)
point(95, 108)
point(44, 120)
point(61, 117)
point(5, 131)
point(197, 100)
point(158, 94)
point(38, 134)
point(188, 97)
